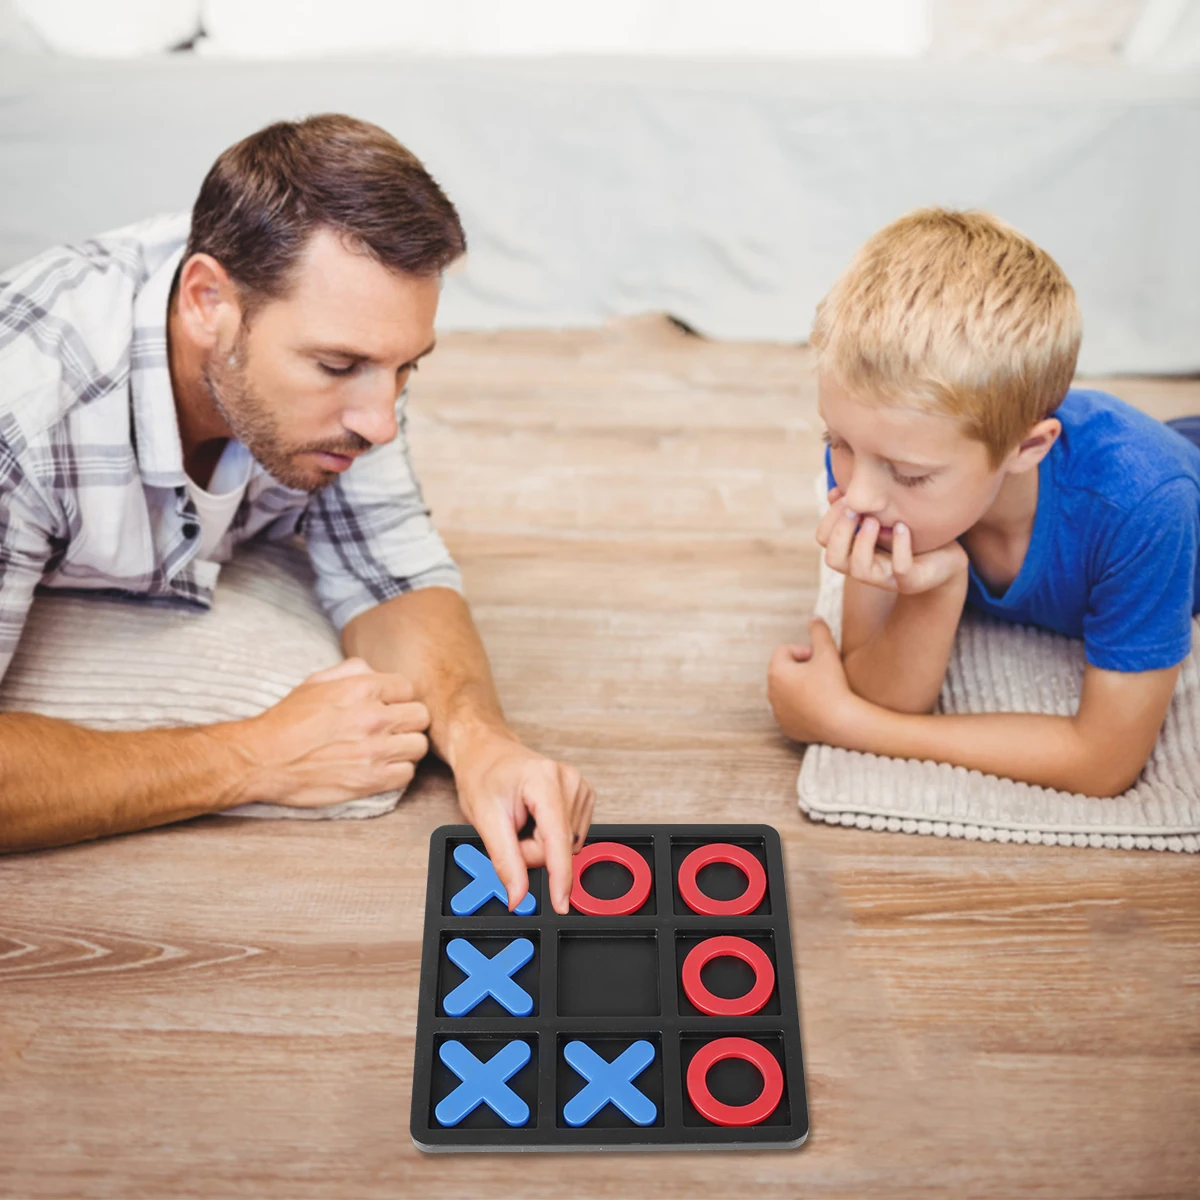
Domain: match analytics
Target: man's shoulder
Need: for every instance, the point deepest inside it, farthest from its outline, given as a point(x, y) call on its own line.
point(67, 320)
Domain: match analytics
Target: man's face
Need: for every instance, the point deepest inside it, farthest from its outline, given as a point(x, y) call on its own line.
point(902, 464)
point(312, 381)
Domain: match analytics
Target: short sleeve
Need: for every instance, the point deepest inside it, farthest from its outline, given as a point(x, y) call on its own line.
point(370, 537)
point(1139, 613)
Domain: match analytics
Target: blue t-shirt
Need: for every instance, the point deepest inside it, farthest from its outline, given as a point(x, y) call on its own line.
point(1114, 557)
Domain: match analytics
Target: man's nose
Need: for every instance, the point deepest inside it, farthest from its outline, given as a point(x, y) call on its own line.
point(375, 421)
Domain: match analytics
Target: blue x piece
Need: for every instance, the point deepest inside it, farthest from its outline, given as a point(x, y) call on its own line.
point(485, 885)
point(609, 1083)
point(489, 977)
point(483, 1083)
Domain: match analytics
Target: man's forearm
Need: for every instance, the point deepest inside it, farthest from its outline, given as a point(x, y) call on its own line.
point(61, 783)
point(428, 636)
point(903, 664)
point(1050, 751)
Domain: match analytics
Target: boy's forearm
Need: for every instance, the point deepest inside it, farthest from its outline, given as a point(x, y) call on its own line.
point(1034, 748)
point(902, 666)
point(61, 783)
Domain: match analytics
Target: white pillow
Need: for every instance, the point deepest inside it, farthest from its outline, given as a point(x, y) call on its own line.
point(111, 28)
point(772, 28)
point(135, 664)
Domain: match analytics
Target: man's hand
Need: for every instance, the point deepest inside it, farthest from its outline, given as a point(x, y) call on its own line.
point(344, 733)
point(808, 690)
point(428, 635)
point(851, 548)
point(500, 785)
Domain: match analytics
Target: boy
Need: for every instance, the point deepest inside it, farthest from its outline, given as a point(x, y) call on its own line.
point(963, 471)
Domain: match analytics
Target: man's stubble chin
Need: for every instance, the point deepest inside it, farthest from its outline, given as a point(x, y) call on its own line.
point(252, 424)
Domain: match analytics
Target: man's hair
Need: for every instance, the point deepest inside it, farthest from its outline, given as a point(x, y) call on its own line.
point(268, 194)
point(957, 313)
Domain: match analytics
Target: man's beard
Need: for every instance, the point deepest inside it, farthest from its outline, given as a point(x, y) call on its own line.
point(252, 423)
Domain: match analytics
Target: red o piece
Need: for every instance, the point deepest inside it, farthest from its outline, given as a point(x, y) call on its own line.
point(733, 947)
point(709, 1107)
point(622, 906)
point(722, 852)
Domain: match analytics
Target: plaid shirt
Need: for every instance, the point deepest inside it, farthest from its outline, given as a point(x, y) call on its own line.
point(93, 493)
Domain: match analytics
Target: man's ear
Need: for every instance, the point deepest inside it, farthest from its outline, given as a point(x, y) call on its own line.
point(1034, 446)
point(207, 301)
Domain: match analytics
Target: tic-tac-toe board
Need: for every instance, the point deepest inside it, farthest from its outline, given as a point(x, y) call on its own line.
point(660, 1013)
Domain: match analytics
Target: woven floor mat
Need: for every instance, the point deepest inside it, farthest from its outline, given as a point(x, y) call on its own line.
point(998, 667)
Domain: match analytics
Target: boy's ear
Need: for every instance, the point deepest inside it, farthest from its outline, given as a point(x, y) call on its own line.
point(1034, 446)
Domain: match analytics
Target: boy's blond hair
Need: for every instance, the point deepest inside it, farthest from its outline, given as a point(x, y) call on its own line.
point(957, 313)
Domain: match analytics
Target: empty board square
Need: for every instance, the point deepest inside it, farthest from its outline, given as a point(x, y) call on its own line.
point(489, 944)
point(608, 974)
point(726, 976)
point(718, 881)
point(484, 1047)
point(569, 1082)
point(734, 1081)
point(609, 881)
point(456, 879)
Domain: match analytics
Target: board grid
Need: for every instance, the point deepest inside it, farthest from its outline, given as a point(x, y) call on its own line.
point(625, 966)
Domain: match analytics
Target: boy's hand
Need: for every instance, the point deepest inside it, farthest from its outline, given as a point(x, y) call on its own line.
point(852, 550)
point(808, 690)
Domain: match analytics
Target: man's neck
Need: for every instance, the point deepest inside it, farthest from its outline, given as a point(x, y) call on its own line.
point(203, 432)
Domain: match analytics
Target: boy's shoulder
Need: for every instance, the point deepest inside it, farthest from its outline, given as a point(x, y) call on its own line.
point(1114, 452)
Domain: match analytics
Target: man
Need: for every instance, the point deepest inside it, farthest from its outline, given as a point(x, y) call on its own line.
point(167, 392)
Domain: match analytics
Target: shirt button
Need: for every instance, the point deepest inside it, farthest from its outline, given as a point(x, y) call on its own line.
point(190, 529)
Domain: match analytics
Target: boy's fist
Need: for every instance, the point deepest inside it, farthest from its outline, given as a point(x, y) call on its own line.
point(851, 548)
point(808, 690)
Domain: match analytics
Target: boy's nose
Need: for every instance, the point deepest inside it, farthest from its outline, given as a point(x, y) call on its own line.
point(863, 497)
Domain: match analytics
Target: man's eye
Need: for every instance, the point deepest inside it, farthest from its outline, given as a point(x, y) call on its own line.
point(338, 371)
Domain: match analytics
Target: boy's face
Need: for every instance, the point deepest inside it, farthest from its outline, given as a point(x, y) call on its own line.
point(900, 464)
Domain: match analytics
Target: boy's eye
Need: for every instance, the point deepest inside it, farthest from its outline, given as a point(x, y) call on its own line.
point(338, 372)
point(908, 480)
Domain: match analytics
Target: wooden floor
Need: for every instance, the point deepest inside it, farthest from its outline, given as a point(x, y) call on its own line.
point(227, 1008)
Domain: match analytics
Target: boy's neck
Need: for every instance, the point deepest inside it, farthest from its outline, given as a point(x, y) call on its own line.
point(1012, 512)
point(998, 542)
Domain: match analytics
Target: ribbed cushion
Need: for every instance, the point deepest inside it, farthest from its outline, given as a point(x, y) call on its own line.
point(997, 667)
point(135, 664)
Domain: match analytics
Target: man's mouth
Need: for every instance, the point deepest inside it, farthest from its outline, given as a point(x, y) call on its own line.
point(333, 462)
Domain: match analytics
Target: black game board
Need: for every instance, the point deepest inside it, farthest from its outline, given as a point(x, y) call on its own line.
point(581, 1030)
